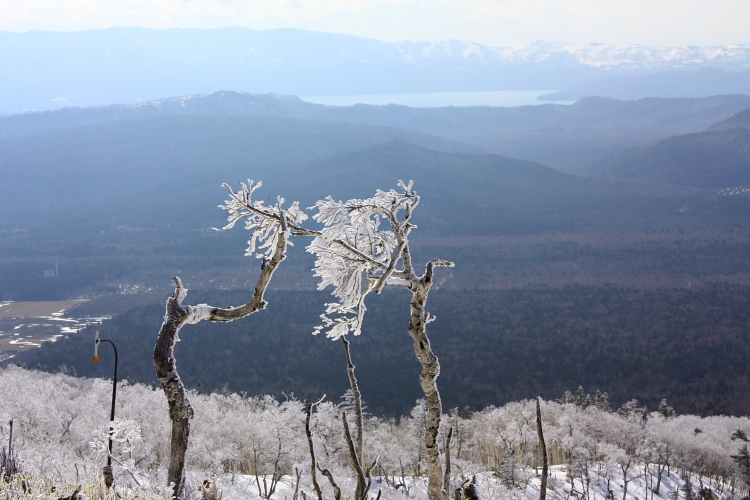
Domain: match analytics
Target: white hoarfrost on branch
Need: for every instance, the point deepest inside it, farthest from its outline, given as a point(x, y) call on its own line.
point(355, 255)
point(261, 219)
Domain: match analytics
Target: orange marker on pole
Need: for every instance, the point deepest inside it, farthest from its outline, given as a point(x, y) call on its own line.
point(96, 348)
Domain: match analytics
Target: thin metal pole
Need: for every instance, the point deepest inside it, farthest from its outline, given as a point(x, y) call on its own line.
point(114, 398)
point(108, 478)
point(10, 443)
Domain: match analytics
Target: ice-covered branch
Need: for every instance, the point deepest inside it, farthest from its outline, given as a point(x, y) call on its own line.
point(355, 255)
point(264, 221)
point(366, 258)
point(391, 267)
point(431, 265)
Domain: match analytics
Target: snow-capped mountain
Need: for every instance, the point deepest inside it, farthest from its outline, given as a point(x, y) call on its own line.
point(629, 56)
point(49, 70)
point(594, 55)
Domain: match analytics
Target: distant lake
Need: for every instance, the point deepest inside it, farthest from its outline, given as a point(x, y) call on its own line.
point(438, 99)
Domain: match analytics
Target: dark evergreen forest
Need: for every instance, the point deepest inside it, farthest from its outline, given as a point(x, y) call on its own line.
point(688, 346)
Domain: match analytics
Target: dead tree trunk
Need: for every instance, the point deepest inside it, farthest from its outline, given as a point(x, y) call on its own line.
point(180, 410)
point(420, 287)
point(542, 451)
point(176, 316)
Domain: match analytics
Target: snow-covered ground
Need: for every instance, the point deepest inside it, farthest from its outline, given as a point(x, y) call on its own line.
point(603, 484)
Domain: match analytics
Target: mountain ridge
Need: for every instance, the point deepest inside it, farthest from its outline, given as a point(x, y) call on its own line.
point(716, 158)
point(566, 137)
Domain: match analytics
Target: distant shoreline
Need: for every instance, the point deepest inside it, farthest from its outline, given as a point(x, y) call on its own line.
point(500, 98)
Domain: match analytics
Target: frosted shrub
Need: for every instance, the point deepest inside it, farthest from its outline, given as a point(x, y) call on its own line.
point(240, 442)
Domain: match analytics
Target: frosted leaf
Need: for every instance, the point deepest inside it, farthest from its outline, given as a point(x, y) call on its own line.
point(262, 220)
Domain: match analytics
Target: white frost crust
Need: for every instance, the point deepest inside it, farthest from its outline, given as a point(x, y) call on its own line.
point(198, 313)
point(352, 250)
point(398, 282)
point(261, 219)
point(181, 291)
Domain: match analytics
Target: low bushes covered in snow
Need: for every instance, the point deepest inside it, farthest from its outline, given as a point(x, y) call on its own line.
point(251, 447)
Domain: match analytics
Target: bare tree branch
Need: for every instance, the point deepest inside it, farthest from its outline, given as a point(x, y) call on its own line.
point(391, 267)
point(357, 395)
point(314, 463)
point(336, 489)
point(355, 461)
point(447, 477)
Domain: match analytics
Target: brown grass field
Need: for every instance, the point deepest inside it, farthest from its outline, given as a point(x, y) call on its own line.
point(26, 325)
point(35, 309)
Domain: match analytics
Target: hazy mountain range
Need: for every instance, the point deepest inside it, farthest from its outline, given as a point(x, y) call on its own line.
point(567, 137)
point(47, 70)
point(718, 157)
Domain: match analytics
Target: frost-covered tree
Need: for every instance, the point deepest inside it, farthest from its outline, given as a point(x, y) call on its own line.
point(363, 247)
point(356, 256)
point(270, 227)
point(665, 410)
point(742, 459)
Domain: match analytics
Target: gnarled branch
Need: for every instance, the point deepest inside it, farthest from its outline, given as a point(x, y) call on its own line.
point(176, 316)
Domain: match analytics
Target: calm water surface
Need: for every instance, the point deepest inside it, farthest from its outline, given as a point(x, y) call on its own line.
point(438, 99)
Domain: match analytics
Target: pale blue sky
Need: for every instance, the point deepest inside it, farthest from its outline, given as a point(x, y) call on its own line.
point(491, 22)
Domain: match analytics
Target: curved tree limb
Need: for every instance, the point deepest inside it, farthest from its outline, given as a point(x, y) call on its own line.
point(336, 489)
point(176, 316)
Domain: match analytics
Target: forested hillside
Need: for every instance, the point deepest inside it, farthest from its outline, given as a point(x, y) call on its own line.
point(714, 159)
point(633, 287)
point(495, 346)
